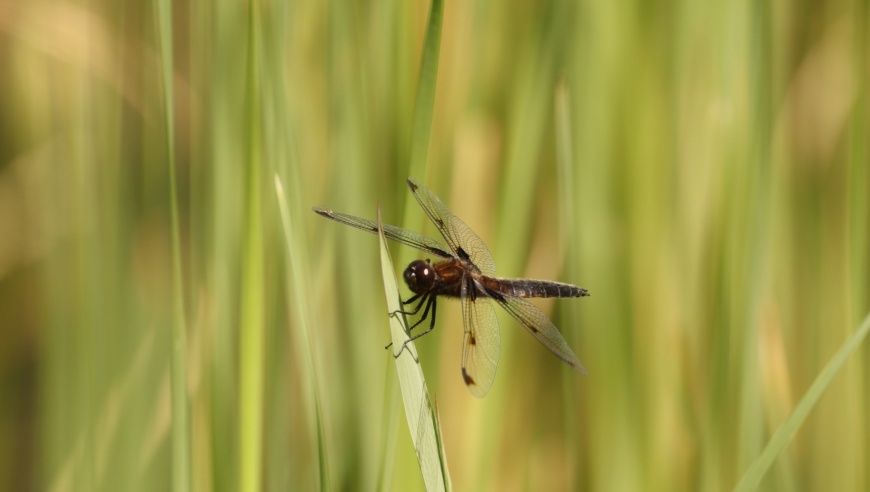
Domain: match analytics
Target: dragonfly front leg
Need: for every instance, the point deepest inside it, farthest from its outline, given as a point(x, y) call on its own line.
point(430, 304)
point(416, 310)
point(423, 297)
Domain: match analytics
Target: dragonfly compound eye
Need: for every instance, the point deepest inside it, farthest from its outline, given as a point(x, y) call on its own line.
point(419, 276)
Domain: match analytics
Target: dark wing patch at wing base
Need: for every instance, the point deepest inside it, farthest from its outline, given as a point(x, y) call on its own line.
point(459, 237)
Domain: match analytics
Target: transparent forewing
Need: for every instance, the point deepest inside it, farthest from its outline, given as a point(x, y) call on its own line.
point(404, 236)
point(481, 343)
point(460, 238)
point(534, 320)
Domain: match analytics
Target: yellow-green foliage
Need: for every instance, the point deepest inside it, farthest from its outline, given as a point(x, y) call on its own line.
point(700, 167)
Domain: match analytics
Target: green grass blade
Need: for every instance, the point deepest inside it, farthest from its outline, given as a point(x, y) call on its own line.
point(298, 261)
point(252, 329)
point(565, 171)
point(783, 435)
point(180, 423)
point(422, 419)
point(425, 103)
point(424, 106)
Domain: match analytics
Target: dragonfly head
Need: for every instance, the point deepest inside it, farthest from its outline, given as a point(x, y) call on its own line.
point(419, 276)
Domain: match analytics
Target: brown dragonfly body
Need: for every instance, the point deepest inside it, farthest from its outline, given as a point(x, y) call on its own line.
point(446, 278)
point(466, 272)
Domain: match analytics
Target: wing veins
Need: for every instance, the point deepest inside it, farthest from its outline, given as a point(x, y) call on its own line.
point(481, 341)
point(398, 234)
point(463, 241)
point(539, 325)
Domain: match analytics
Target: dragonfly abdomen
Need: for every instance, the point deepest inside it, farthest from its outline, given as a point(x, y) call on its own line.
point(510, 287)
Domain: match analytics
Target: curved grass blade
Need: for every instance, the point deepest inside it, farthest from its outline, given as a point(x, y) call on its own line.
point(787, 430)
point(178, 366)
point(422, 419)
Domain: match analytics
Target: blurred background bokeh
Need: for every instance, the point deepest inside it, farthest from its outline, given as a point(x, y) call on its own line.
point(700, 167)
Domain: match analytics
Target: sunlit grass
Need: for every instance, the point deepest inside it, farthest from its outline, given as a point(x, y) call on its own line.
point(786, 432)
point(702, 169)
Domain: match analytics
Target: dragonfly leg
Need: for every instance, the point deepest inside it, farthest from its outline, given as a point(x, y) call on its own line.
point(416, 310)
point(431, 304)
point(431, 325)
point(413, 312)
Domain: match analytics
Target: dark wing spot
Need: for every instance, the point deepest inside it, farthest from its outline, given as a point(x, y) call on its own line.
point(440, 222)
point(472, 340)
point(412, 185)
point(533, 329)
point(495, 294)
point(469, 381)
point(462, 254)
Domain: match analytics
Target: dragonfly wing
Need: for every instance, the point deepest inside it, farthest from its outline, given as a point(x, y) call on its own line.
point(540, 326)
point(481, 342)
point(404, 236)
point(459, 237)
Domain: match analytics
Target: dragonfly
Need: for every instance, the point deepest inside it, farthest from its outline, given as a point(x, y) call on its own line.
point(465, 270)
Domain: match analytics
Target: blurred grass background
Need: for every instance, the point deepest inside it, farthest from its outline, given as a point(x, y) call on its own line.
point(700, 167)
